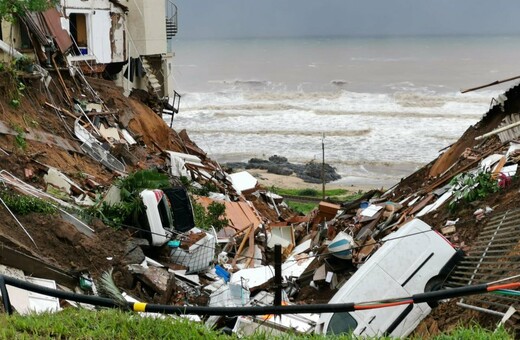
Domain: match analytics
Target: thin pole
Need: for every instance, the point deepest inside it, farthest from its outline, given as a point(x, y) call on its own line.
point(5, 296)
point(278, 274)
point(323, 166)
point(496, 82)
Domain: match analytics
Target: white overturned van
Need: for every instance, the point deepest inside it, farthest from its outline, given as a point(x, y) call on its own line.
point(166, 210)
point(415, 259)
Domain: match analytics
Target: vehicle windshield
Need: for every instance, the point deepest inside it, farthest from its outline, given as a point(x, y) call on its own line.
point(341, 323)
point(165, 213)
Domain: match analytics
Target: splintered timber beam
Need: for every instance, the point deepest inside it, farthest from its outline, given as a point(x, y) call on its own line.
point(496, 82)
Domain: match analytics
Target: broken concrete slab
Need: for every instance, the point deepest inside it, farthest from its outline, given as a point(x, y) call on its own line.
point(295, 266)
point(156, 278)
point(371, 210)
point(55, 178)
point(243, 182)
point(434, 206)
point(133, 254)
point(282, 235)
point(42, 137)
point(110, 133)
point(253, 276)
point(448, 230)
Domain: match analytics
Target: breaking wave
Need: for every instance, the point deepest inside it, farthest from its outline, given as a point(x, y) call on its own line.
point(251, 83)
point(417, 115)
point(339, 102)
point(376, 136)
point(287, 133)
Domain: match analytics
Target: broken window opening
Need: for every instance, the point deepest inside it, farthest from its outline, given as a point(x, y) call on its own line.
point(78, 31)
point(25, 39)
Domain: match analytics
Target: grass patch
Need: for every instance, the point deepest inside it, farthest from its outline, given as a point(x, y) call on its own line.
point(341, 195)
point(74, 323)
point(303, 208)
point(105, 324)
point(309, 192)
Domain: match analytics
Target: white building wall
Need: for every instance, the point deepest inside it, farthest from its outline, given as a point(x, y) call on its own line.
point(168, 77)
point(147, 27)
point(86, 4)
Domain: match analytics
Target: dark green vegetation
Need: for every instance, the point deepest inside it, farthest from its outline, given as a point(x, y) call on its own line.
point(9, 9)
point(333, 194)
point(302, 208)
point(74, 323)
point(131, 205)
point(213, 216)
point(337, 195)
point(24, 205)
point(470, 187)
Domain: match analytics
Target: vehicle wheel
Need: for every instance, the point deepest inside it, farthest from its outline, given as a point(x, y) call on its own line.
point(434, 284)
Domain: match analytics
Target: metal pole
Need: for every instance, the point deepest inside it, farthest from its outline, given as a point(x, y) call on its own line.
point(323, 166)
point(5, 296)
point(278, 274)
point(496, 82)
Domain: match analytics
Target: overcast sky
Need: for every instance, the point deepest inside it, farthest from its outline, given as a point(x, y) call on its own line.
point(290, 18)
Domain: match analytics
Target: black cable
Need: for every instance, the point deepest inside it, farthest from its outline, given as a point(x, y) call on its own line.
point(237, 311)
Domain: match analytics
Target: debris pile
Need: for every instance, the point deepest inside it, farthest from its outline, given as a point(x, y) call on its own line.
point(203, 236)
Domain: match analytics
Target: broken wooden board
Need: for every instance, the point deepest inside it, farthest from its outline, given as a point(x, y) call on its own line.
point(42, 137)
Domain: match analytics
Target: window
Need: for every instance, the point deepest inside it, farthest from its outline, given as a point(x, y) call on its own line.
point(78, 31)
point(341, 323)
point(25, 40)
point(165, 213)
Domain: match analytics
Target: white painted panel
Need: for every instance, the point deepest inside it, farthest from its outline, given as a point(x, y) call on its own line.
point(40, 303)
point(99, 36)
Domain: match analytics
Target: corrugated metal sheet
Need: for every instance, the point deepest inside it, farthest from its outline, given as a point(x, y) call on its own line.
point(53, 20)
point(494, 257)
point(510, 134)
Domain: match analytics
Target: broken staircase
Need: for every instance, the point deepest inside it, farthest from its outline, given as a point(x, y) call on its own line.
point(153, 83)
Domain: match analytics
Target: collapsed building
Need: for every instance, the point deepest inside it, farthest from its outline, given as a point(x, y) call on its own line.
point(72, 136)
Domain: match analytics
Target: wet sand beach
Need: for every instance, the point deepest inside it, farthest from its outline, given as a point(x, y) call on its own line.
point(292, 182)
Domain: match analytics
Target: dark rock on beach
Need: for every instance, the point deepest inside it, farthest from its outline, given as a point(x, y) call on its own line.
point(310, 172)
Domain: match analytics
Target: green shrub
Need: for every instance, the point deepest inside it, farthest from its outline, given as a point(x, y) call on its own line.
point(470, 187)
point(308, 192)
point(23, 205)
point(213, 216)
point(131, 205)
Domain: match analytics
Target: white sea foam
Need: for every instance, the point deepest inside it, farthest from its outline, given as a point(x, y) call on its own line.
point(385, 110)
point(363, 128)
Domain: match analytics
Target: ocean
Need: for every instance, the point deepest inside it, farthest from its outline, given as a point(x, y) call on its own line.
point(382, 107)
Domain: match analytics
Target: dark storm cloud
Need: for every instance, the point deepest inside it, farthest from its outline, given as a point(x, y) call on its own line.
point(279, 18)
